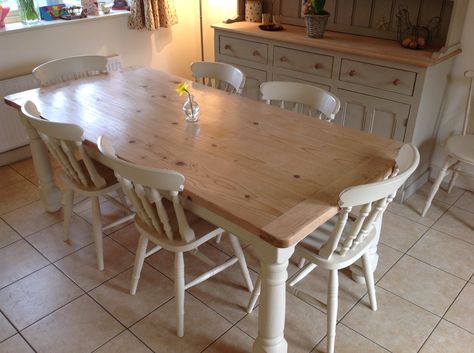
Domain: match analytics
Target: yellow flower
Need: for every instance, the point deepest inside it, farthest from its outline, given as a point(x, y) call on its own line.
point(182, 88)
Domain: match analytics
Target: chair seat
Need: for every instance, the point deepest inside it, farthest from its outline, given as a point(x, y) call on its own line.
point(309, 247)
point(104, 171)
point(461, 147)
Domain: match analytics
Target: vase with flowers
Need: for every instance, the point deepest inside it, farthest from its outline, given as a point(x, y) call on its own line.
point(316, 17)
point(191, 107)
point(28, 11)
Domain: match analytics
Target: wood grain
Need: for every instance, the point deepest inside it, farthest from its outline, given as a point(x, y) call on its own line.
point(375, 48)
point(276, 173)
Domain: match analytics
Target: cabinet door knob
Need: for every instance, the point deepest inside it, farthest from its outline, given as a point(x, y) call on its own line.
point(317, 66)
point(227, 47)
point(283, 59)
point(396, 82)
point(352, 73)
point(256, 53)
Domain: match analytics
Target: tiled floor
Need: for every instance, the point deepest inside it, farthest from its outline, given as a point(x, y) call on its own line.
point(52, 298)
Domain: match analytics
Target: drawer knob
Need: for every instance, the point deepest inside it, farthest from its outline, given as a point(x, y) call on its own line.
point(227, 47)
point(256, 53)
point(284, 59)
point(396, 82)
point(352, 73)
point(317, 66)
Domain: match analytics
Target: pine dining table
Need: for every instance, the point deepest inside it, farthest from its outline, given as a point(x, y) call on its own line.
point(267, 175)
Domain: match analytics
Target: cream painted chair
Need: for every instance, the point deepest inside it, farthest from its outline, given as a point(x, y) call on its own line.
point(219, 75)
point(161, 219)
point(335, 246)
point(80, 173)
point(460, 150)
point(71, 68)
point(301, 98)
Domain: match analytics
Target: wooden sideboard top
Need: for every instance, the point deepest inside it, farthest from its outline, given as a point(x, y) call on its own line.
point(375, 48)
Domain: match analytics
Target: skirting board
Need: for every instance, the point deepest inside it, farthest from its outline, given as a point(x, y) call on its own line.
point(15, 155)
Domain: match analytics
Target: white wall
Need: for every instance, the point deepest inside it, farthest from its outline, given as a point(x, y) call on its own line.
point(456, 96)
point(171, 49)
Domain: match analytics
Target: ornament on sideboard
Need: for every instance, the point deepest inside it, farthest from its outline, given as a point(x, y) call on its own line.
point(253, 10)
point(91, 7)
point(121, 5)
point(415, 37)
point(3, 13)
point(316, 17)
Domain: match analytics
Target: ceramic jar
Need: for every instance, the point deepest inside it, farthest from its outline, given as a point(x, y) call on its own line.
point(253, 10)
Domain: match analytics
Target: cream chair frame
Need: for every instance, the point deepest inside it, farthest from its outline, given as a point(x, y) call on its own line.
point(70, 68)
point(219, 75)
point(303, 98)
point(80, 175)
point(340, 248)
point(149, 190)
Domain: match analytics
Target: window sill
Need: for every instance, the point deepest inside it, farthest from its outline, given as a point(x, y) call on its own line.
point(21, 27)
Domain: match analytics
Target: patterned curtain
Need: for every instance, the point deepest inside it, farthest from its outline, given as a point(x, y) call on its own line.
point(152, 14)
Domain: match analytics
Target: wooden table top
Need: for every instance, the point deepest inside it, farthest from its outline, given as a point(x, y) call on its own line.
point(275, 173)
point(375, 48)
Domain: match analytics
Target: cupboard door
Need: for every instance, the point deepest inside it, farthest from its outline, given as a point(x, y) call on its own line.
point(254, 78)
point(379, 116)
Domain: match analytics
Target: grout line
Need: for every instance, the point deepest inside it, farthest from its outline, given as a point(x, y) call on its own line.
point(103, 344)
point(371, 340)
point(431, 333)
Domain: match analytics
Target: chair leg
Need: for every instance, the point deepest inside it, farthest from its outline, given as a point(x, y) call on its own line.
point(453, 179)
point(333, 287)
point(234, 241)
point(301, 262)
point(255, 295)
point(179, 292)
point(435, 187)
point(68, 199)
point(97, 232)
point(369, 280)
point(139, 259)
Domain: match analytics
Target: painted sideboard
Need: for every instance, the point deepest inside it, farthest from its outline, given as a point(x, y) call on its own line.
point(384, 88)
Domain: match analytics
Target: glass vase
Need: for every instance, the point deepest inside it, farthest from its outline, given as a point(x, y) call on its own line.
point(191, 110)
point(28, 10)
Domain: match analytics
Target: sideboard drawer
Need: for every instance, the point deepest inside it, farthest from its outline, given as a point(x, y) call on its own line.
point(303, 61)
point(381, 77)
point(243, 49)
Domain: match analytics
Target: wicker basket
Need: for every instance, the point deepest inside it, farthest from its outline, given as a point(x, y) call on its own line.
point(316, 25)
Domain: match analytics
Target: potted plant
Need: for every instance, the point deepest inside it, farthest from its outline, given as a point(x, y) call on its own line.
point(316, 17)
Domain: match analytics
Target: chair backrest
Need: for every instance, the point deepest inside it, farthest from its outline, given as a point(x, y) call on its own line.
point(219, 75)
point(145, 188)
point(301, 98)
point(64, 141)
point(71, 68)
point(373, 199)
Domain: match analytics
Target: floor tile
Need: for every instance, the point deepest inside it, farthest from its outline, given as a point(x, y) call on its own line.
point(442, 195)
point(397, 325)
point(466, 201)
point(387, 258)
point(18, 260)
point(124, 343)
point(233, 341)
point(445, 252)
point(413, 206)
point(462, 311)
point(449, 338)
point(24, 167)
point(80, 326)
point(458, 223)
point(81, 266)
point(9, 176)
point(7, 234)
point(226, 292)
point(6, 329)
point(305, 325)
point(202, 327)
point(154, 289)
point(31, 218)
point(15, 344)
point(399, 232)
point(109, 212)
point(36, 296)
point(128, 237)
point(17, 195)
point(349, 341)
point(50, 241)
point(422, 284)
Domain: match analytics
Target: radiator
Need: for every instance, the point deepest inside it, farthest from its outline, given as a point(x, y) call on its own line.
point(12, 132)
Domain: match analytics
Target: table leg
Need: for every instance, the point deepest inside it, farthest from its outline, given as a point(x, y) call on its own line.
point(356, 268)
point(271, 314)
point(49, 192)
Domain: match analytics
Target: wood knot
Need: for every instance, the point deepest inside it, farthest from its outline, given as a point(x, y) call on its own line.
point(247, 196)
point(131, 141)
point(139, 111)
point(189, 198)
point(214, 145)
point(164, 96)
point(296, 176)
point(175, 123)
point(180, 163)
point(256, 123)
